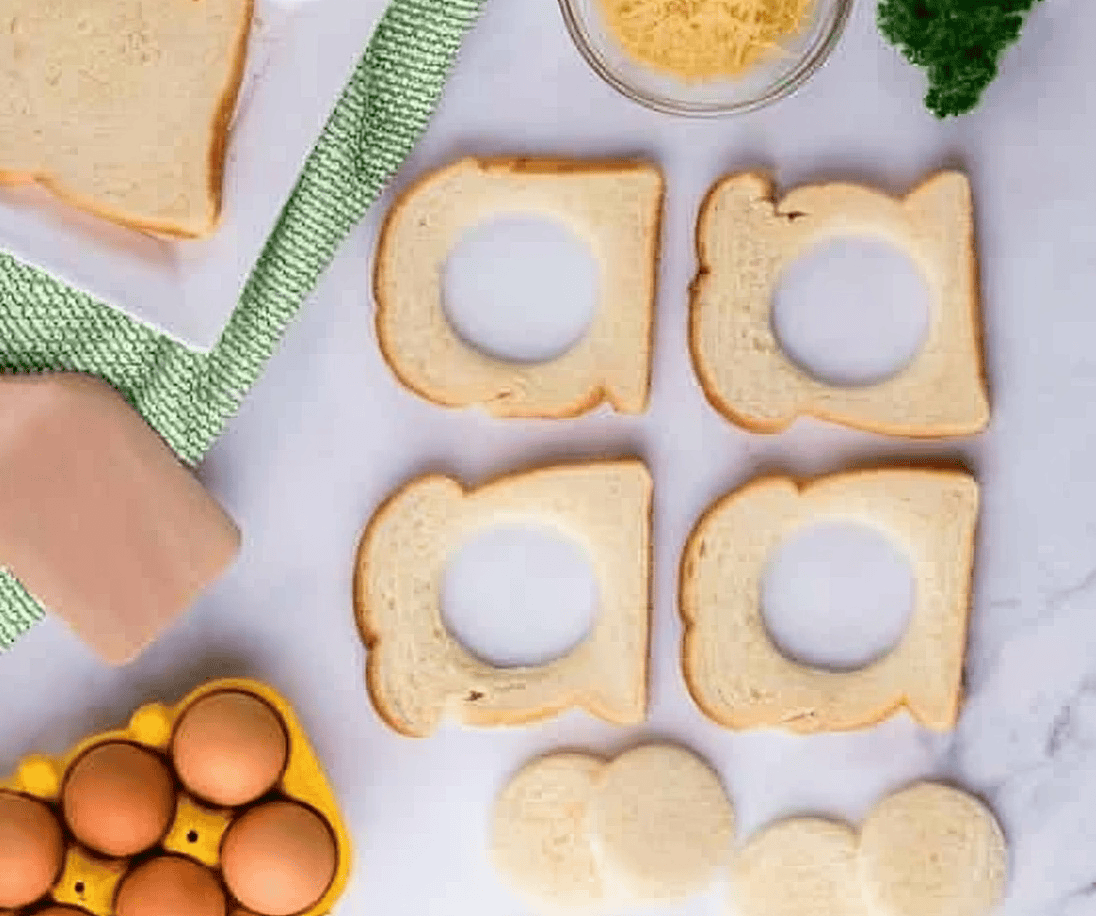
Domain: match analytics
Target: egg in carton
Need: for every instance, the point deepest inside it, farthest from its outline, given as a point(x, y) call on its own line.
point(211, 807)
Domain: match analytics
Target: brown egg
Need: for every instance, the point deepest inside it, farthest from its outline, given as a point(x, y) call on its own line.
point(278, 858)
point(31, 849)
point(170, 886)
point(229, 748)
point(119, 799)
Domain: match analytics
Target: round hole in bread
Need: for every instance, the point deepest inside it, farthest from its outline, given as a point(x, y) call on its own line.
point(519, 595)
point(522, 289)
point(852, 311)
point(837, 595)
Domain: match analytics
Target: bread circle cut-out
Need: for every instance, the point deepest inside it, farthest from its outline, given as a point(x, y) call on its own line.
point(660, 823)
point(932, 850)
point(734, 670)
point(418, 673)
point(615, 207)
point(797, 866)
point(745, 240)
point(538, 833)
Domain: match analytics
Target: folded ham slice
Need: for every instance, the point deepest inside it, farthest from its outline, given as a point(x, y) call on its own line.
point(98, 518)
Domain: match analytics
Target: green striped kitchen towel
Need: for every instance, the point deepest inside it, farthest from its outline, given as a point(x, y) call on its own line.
point(186, 396)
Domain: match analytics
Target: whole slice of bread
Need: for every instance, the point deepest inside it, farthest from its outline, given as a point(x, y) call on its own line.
point(615, 207)
point(418, 672)
point(932, 850)
point(660, 823)
point(745, 239)
point(538, 834)
point(799, 866)
point(735, 672)
point(122, 107)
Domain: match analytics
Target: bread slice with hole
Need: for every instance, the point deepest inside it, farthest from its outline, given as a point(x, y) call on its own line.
point(615, 207)
point(418, 673)
point(122, 107)
point(745, 240)
point(736, 673)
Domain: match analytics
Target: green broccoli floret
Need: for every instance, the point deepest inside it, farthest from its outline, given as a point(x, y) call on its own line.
point(957, 42)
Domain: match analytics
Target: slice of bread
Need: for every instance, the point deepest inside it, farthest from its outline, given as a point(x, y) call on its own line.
point(745, 239)
point(798, 866)
point(660, 823)
point(418, 672)
point(735, 672)
point(615, 207)
point(538, 834)
point(122, 107)
point(932, 850)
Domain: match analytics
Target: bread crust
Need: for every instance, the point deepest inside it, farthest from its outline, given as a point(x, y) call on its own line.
point(218, 145)
point(598, 393)
point(814, 722)
point(883, 426)
point(372, 631)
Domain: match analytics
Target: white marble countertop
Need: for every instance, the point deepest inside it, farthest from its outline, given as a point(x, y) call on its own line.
point(327, 433)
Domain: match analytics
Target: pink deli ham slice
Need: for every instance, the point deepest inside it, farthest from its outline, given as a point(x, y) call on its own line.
point(98, 518)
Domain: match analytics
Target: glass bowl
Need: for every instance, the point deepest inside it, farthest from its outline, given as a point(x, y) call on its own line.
point(766, 82)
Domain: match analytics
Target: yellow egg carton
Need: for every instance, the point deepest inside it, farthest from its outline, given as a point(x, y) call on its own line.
point(90, 882)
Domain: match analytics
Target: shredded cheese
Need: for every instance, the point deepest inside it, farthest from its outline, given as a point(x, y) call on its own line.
point(703, 39)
